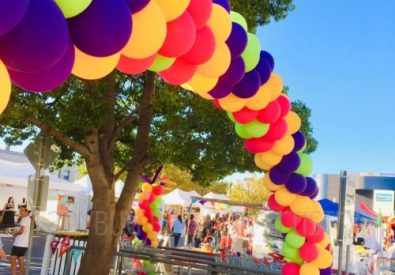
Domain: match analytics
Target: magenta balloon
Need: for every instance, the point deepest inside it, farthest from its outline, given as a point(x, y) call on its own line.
point(11, 13)
point(223, 3)
point(264, 69)
point(103, 29)
point(248, 86)
point(38, 41)
point(235, 72)
point(237, 41)
point(220, 90)
point(137, 5)
point(48, 79)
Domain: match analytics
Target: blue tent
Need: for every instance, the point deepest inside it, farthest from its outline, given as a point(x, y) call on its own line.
point(332, 209)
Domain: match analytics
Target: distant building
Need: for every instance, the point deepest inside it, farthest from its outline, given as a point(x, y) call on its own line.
point(375, 190)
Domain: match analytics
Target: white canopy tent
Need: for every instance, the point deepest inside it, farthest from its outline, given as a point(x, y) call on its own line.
point(177, 197)
point(86, 184)
point(215, 196)
point(210, 209)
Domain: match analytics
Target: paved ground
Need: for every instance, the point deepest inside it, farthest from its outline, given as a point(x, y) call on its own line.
point(37, 254)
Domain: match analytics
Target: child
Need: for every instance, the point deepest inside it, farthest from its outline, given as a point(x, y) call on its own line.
point(226, 240)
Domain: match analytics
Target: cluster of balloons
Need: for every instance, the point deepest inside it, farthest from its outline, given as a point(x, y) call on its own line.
point(199, 44)
point(148, 214)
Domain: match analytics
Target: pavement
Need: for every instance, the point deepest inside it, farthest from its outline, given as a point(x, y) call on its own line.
point(37, 254)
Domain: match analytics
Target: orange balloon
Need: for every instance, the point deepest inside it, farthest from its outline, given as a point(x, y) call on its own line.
point(218, 64)
point(154, 243)
point(220, 23)
point(283, 146)
point(200, 83)
point(275, 85)
point(232, 103)
point(91, 67)
point(149, 32)
point(302, 206)
point(5, 87)
point(270, 185)
point(269, 158)
point(324, 259)
point(206, 96)
point(172, 9)
point(293, 121)
point(284, 197)
point(324, 243)
point(317, 213)
point(260, 100)
point(309, 269)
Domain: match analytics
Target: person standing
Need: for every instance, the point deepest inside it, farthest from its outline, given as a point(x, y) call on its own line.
point(178, 228)
point(191, 229)
point(21, 242)
point(2, 253)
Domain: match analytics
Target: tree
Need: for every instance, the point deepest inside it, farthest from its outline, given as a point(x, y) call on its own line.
point(122, 122)
point(250, 190)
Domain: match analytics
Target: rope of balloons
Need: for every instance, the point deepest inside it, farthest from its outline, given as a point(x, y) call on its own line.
point(200, 45)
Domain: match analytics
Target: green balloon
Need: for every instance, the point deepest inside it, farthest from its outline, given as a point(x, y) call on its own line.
point(154, 205)
point(71, 8)
point(157, 212)
point(294, 240)
point(256, 129)
point(297, 260)
point(161, 63)
point(306, 165)
point(238, 18)
point(251, 54)
point(230, 116)
point(289, 252)
point(280, 227)
point(137, 243)
point(240, 131)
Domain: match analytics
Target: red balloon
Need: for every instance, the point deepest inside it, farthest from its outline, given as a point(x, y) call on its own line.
point(291, 269)
point(318, 236)
point(151, 197)
point(289, 219)
point(200, 11)
point(180, 38)
point(134, 66)
point(258, 145)
point(277, 130)
point(285, 105)
point(144, 204)
point(203, 48)
point(158, 190)
point(155, 219)
point(179, 73)
point(156, 227)
point(306, 228)
point(309, 252)
point(274, 205)
point(270, 114)
point(245, 115)
point(216, 104)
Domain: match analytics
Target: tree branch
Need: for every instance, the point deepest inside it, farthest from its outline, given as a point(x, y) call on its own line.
point(74, 145)
point(122, 125)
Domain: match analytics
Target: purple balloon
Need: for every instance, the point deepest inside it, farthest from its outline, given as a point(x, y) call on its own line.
point(136, 227)
point(326, 271)
point(11, 13)
point(147, 242)
point(137, 5)
point(220, 90)
point(103, 29)
point(224, 3)
point(248, 86)
point(235, 72)
point(277, 176)
point(289, 163)
point(237, 41)
point(269, 58)
point(300, 141)
point(39, 41)
point(141, 235)
point(48, 79)
point(296, 183)
point(264, 70)
point(311, 187)
point(313, 196)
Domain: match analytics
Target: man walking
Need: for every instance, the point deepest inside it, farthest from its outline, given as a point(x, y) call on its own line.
point(21, 242)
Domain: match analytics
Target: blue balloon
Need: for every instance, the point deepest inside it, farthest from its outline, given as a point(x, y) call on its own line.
point(300, 141)
point(264, 69)
point(268, 58)
point(137, 5)
point(237, 40)
point(220, 90)
point(326, 271)
point(289, 163)
point(311, 187)
point(11, 13)
point(278, 176)
point(224, 3)
point(248, 86)
point(235, 72)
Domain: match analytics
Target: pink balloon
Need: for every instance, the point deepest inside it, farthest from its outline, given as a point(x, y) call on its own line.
point(203, 48)
point(180, 72)
point(200, 11)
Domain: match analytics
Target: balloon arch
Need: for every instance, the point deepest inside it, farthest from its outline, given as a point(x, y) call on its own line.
point(199, 44)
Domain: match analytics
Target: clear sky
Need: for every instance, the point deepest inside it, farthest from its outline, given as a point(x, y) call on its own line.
point(339, 58)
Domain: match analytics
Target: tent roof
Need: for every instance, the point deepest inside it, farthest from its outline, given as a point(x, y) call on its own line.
point(86, 184)
point(213, 195)
point(332, 208)
point(177, 197)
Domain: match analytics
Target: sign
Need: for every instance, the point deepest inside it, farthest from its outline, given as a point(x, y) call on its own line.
point(383, 201)
point(50, 151)
point(65, 205)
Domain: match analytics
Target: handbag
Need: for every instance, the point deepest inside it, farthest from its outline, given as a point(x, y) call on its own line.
point(2, 217)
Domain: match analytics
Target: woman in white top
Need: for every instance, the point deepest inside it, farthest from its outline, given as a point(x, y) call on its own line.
point(178, 228)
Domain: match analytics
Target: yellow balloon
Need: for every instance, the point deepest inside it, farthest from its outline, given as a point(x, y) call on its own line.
point(324, 243)
point(261, 164)
point(139, 212)
point(91, 67)
point(268, 158)
point(206, 96)
point(200, 83)
point(152, 235)
point(317, 213)
point(275, 85)
point(154, 244)
point(141, 220)
point(5, 87)
point(283, 146)
point(232, 103)
point(284, 197)
point(269, 184)
point(147, 228)
point(302, 206)
point(149, 32)
point(324, 259)
point(220, 23)
point(260, 100)
point(218, 64)
point(147, 188)
point(293, 122)
point(309, 269)
point(172, 9)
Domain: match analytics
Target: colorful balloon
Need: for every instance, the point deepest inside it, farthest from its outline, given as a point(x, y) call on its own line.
point(5, 87)
point(280, 227)
point(200, 83)
point(271, 113)
point(283, 146)
point(275, 86)
point(232, 103)
point(300, 141)
point(237, 40)
point(221, 23)
point(219, 62)
point(137, 5)
point(306, 227)
point(251, 53)
point(278, 176)
point(324, 259)
point(278, 130)
point(134, 66)
point(289, 164)
point(103, 29)
point(149, 32)
point(269, 158)
point(260, 101)
point(248, 86)
point(161, 63)
point(245, 115)
point(284, 198)
point(306, 165)
point(296, 183)
point(173, 9)
point(294, 240)
point(11, 13)
point(318, 235)
point(309, 269)
point(235, 72)
point(289, 252)
point(308, 252)
point(239, 19)
point(293, 122)
point(178, 73)
point(285, 104)
point(291, 269)
point(203, 48)
point(291, 220)
point(71, 8)
point(220, 90)
point(258, 145)
point(200, 11)
point(223, 3)
point(273, 204)
point(263, 68)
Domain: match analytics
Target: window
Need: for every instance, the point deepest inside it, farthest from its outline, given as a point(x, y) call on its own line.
point(65, 175)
